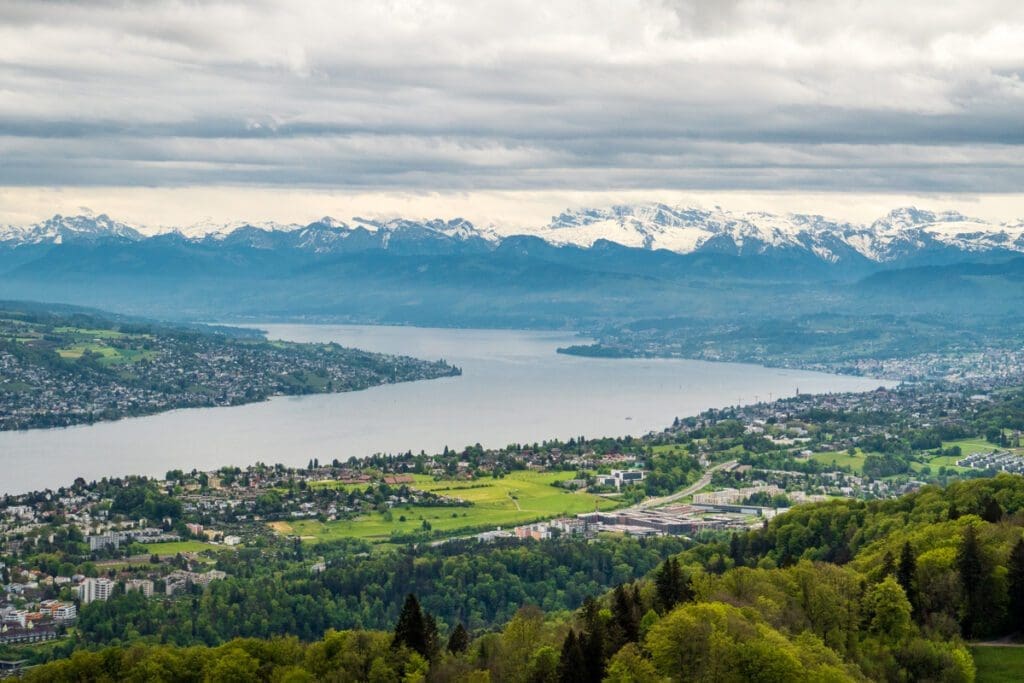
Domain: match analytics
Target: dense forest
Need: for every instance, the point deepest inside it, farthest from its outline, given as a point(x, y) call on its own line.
point(839, 591)
point(272, 593)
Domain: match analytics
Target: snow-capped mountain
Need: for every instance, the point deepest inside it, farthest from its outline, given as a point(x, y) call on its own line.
point(902, 233)
point(210, 227)
point(59, 229)
point(905, 234)
point(330, 235)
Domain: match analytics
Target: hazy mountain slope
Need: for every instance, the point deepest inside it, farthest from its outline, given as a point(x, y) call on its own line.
point(586, 268)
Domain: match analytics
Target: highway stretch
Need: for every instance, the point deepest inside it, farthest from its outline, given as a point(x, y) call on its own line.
point(696, 486)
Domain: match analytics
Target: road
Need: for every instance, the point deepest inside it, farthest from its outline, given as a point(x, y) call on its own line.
point(689, 490)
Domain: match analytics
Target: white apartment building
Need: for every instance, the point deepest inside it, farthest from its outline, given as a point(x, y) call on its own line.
point(95, 589)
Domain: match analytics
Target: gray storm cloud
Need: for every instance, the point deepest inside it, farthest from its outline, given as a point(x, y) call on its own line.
point(465, 95)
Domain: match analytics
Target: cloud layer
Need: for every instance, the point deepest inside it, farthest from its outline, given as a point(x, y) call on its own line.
point(408, 95)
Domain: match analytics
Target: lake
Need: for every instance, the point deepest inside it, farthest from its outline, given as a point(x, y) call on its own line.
point(514, 388)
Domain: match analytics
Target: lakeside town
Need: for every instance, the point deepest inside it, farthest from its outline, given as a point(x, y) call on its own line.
point(921, 351)
point(718, 472)
point(61, 370)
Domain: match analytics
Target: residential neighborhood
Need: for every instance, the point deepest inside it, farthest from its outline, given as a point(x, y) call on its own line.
point(57, 371)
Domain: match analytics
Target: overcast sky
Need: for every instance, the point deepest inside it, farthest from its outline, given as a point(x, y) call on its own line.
point(171, 109)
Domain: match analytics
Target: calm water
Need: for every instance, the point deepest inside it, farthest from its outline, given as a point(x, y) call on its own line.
point(514, 388)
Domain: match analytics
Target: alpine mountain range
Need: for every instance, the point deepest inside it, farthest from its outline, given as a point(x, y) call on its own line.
point(582, 268)
point(903, 235)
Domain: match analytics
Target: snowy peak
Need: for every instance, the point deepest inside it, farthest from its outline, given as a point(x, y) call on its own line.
point(330, 235)
point(209, 227)
point(647, 226)
point(679, 229)
point(455, 228)
point(82, 228)
point(904, 235)
point(329, 222)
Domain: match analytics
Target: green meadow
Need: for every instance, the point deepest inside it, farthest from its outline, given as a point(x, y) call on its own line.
point(999, 664)
point(517, 498)
point(175, 547)
point(968, 446)
point(842, 459)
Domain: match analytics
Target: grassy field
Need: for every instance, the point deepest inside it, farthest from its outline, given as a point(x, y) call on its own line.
point(518, 498)
point(108, 354)
point(77, 341)
point(947, 461)
point(856, 462)
point(175, 547)
point(999, 664)
point(968, 446)
point(78, 350)
point(842, 459)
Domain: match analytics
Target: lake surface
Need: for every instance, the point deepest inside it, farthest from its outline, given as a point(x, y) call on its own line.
point(514, 388)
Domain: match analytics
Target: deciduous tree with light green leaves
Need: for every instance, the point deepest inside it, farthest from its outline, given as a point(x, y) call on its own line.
point(887, 611)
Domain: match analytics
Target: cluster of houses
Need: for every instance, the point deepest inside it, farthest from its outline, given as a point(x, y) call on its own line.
point(115, 537)
point(37, 622)
point(184, 371)
point(131, 532)
point(1000, 461)
point(180, 581)
point(28, 615)
point(563, 526)
point(997, 366)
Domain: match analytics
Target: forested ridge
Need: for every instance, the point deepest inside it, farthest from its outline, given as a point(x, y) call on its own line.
point(839, 591)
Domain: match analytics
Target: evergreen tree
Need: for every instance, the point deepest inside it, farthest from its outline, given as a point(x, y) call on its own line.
point(972, 576)
point(411, 629)
point(906, 574)
point(888, 565)
point(432, 636)
point(638, 602)
point(458, 642)
point(626, 615)
point(1015, 577)
point(668, 583)
point(993, 511)
point(736, 549)
point(592, 641)
point(954, 511)
point(572, 665)
point(686, 591)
